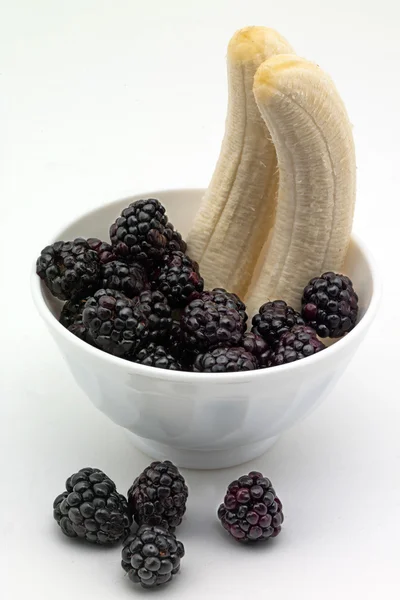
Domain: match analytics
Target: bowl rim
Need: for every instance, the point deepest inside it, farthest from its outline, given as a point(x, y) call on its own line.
point(187, 376)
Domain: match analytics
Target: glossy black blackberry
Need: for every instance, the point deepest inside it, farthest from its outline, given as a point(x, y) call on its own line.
point(129, 279)
point(116, 323)
point(207, 324)
point(154, 355)
point(225, 360)
point(104, 250)
point(274, 319)
point(175, 240)
point(256, 345)
point(69, 269)
point(140, 233)
point(159, 315)
point(251, 512)
point(223, 298)
point(91, 508)
point(158, 496)
point(178, 279)
point(301, 341)
point(152, 556)
point(330, 305)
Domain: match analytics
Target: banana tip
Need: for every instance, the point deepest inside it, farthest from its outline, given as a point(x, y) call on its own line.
point(251, 43)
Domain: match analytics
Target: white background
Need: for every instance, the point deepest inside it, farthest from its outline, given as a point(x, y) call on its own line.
point(100, 99)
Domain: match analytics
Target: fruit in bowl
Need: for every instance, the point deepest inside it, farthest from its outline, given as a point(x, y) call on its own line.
point(165, 326)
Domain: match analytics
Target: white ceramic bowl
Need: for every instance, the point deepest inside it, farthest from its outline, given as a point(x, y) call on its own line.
point(203, 421)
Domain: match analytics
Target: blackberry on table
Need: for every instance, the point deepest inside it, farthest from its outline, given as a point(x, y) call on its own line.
point(256, 345)
point(155, 307)
point(141, 233)
point(274, 319)
point(152, 556)
point(251, 511)
point(153, 355)
point(91, 508)
point(301, 341)
point(330, 305)
point(130, 279)
point(116, 323)
point(207, 324)
point(104, 250)
point(158, 496)
point(178, 279)
point(69, 269)
point(225, 360)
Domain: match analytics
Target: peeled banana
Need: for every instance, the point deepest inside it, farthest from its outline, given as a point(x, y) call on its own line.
point(238, 210)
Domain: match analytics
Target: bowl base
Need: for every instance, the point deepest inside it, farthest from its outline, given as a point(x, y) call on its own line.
point(202, 459)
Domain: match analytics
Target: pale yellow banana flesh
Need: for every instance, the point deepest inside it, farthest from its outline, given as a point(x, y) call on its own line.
point(238, 210)
point(313, 139)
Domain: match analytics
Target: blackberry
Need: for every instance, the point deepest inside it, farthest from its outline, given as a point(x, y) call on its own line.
point(225, 360)
point(141, 232)
point(128, 279)
point(175, 241)
point(91, 508)
point(158, 496)
point(104, 250)
point(256, 345)
point(116, 323)
point(227, 299)
point(207, 324)
point(157, 356)
point(158, 312)
point(178, 279)
point(71, 312)
point(69, 269)
point(251, 512)
point(152, 556)
point(301, 341)
point(274, 319)
point(330, 305)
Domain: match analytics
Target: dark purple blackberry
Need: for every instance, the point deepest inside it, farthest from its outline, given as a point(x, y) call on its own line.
point(116, 323)
point(152, 556)
point(330, 305)
point(158, 496)
point(153, 355)
point(254, 343)
point(223, 298)
point(274, 319)
point(207, 324)
point(158, 312)
point(175, 241)
point(251, 512)
point(69, 269)
point(104, 250)
point(140, 233)
point(225, 360)
point(301, 341)
point(178, 279)
point(128, 279)
point(91, 508)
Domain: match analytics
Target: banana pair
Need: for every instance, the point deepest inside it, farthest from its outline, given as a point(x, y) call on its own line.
point(279, 208)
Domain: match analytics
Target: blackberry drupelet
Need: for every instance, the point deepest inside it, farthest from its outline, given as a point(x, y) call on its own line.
point(158, 312)
point(178, 279)
point(227, 299)
point(207, 324)
point(175, 241)
point(330, 305)
point(129, 279)
point(116, 323)
point(153, 355)
point(158, 496)
point(69, 269)
point(104, 250)
point(140, 233)
point(254, 343)
point(225, 360)
point(301, 341)
point(274, 319)
point(152, 556)
point(91, 508)
point(251, 512)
